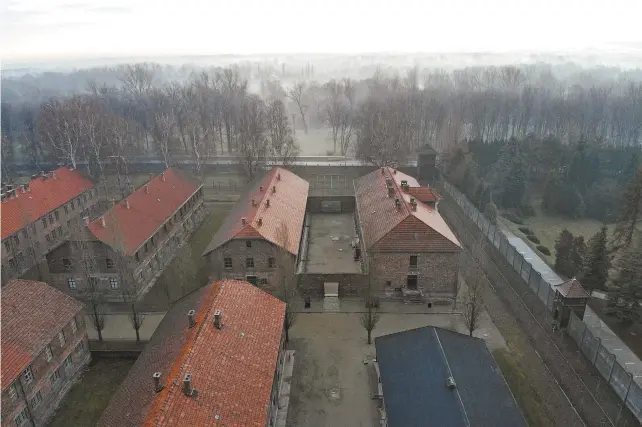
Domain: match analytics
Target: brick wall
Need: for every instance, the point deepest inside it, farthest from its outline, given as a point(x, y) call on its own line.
point(260, 252)
point(75, 346)
point(311, 285)
point(437, 272)
point(314, 203)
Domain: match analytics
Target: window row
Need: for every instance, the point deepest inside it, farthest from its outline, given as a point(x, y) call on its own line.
point(249, 263)
point(93, 283)
point(68, 265)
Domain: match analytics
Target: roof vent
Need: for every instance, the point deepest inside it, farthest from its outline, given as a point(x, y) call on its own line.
point(274, 189)
point(217, 319)
point(146, 189)
point(102, 222)
point(278, 176)
point(188, 388)
point(43, 175)
point(34, 176)
point(253, 202)
point(267, 203)
point(243, 220)
point(158, 386)
point(394, 171)
point(26, 186)
point(261, 188)
point(450, 383)
point(398, 202)
point(53, 174)
point(163, 176)
point(190, 318)
point(260, 222)
point(112, 202)
point(127, 203)
point(383, 170)
point(413, 203)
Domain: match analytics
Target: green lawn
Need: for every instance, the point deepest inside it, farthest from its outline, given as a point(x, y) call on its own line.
point(89, 397)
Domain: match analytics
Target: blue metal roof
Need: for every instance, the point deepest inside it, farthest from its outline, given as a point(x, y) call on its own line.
point(415, 366)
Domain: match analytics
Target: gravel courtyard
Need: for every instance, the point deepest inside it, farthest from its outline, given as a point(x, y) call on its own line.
point(331, 385)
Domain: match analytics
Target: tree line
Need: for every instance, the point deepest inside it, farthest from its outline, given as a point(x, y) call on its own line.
point(381, 119)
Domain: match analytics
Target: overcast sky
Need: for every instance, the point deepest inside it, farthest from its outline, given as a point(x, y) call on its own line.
point(47, 29)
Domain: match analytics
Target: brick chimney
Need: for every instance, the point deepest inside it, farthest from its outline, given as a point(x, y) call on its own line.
point(217, 319)
point(112, 202)
point(243, 221)
point(253, 203)
point(267, 203)
point(163, 176)
point(146, 189)
point(278, 176)
point(413, 203)
point(261, 188)
point(398, 203)
point(260, 222)
point(188, 388)
point(102, 222)
point(190, 318)
point(274, 189)
point(127, 203)
point(158, 385)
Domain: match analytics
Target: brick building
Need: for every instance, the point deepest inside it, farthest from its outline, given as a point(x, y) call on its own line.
point(215, 360)
point(407, 244)
point(37, 218)
point(246, 245)
point(44, 350)
point(125, 250)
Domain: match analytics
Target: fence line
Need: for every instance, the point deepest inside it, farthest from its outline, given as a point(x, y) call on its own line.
point(620, 380)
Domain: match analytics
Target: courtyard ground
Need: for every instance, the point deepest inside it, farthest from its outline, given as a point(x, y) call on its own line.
point(329, 249)
point(88, 398)
point(331, 385)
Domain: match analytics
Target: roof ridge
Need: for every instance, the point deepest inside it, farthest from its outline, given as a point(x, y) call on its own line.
point(450, 374)
point(399, 194)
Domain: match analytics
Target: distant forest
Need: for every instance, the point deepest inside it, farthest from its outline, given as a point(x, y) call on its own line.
point(253, 111)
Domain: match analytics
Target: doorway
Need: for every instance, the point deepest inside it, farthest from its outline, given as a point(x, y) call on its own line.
point(252, 279)
point(411, 281)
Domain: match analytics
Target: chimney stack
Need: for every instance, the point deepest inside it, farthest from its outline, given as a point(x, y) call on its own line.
point(53, 174)
point(158, 386)
point(102, 222)
point(253, 203)
point(190, 318)
point(127, 203)
point(260, 221)
point(163, 176)
point(394, 171)
point(383, 170)
point(27, 187)
point(278, 176)
point(274, 189)
point(188, 389)
point(34, 176)
point(146, 189)
point(261, 188)
point(86, 219)
point(398, 203)
point(112, 202)
point(413, 203)
point(217, 319)
point(267, 203)
point(243, 220)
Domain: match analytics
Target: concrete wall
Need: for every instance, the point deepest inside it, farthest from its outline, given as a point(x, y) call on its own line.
point(349, 284)
point(315, 203)
point(437, 272)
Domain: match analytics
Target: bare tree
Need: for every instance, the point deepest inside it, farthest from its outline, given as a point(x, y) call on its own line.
point(58, 124)
point(473, 302)
point(370, 317)
point(285, 273)
point(296, 95)
point(281, 142)
point(252, 141)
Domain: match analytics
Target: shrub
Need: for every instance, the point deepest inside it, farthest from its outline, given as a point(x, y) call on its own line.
point(543, 249)
point(533, 238)
point(526, 230)
point(514, 218)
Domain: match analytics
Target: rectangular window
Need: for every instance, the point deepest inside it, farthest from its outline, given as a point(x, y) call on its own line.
point(28, 375)
point(66, 209)
point(110, 263)
point(54, 377)
point(68, 362)
point(48, 238)
point(44, 222)
point(413, 261)
point(57, 215)
point(72, 205)
point(50, 219)
point(137, 257)
point(227, 262)
point(21, 418)
point(93, 282)
point(61, 338)
point(48, 353)
point(13, 392)
point(249, 262)
point(21, 260)
point(411, 282)
point(271, 262)
point(36, 399)
point(74, 326)
point(66, 263)
point(25, 232)
point(59, 229)
point(16, 239)
point(248, 243)
point(113, 282)
point(263, 281)
point(81, 346)
point(12, 263)
point(7, 245)
point(146, 248)
point(71, 282)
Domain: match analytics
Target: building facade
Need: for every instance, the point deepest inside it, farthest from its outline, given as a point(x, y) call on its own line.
point(122, 253)
point(406, 243)
point(44, 350)
point(262, 232)
point(39, 216)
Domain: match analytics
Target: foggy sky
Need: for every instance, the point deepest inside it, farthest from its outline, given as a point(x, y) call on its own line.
point(55, 29)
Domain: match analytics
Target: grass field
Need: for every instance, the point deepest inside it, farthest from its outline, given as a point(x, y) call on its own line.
point(89, 397)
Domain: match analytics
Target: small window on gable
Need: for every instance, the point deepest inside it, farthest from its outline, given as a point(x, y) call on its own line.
point(413, 261)
point(110, 263)
point(66, 263)
point(248, 243)
point(227, 262)
point(271, 262)
point(28, 375)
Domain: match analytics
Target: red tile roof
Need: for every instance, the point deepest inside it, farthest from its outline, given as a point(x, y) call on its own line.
point(44, 195)
point(572, 289)
point(286, 206)
point(232, 368)
point(386, 227)
point(424, 194)
point(149, 208)
point(32, 314)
